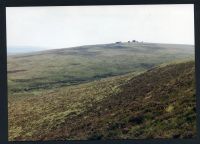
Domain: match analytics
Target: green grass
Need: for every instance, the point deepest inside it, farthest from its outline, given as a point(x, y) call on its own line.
point(52, 69)
point(113, 91)
point(45, 110)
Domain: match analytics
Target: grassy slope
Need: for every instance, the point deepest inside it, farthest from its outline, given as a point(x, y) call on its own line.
point(39, 112)
point(56, 68)
point(159, 103)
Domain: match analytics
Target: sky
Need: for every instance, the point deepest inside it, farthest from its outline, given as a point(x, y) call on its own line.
point(69, 26)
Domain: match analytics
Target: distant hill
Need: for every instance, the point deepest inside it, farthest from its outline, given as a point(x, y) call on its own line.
point(158, 103)
point(61, 67)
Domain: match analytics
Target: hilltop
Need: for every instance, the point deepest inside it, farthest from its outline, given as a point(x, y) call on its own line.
point(71, 66)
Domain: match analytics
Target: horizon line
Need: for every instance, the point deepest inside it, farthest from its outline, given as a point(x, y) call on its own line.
point(131, 41)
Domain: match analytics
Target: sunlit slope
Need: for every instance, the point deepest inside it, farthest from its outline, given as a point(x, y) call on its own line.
point(61, 67)
point(159, 103)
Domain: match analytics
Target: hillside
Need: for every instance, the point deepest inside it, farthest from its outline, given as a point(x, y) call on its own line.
point(70, 66)
point(158, 103)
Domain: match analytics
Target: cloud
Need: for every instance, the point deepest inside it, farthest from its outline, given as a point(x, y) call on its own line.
point(67, 26)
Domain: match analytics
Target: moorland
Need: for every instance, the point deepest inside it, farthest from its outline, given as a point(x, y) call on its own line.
point(123, 90)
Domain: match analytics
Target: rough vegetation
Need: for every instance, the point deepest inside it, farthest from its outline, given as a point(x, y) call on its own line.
point(156, 104)
point(128, 91)
point(63, 67)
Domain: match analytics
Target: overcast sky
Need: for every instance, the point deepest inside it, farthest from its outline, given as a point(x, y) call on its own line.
point(67, 26)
